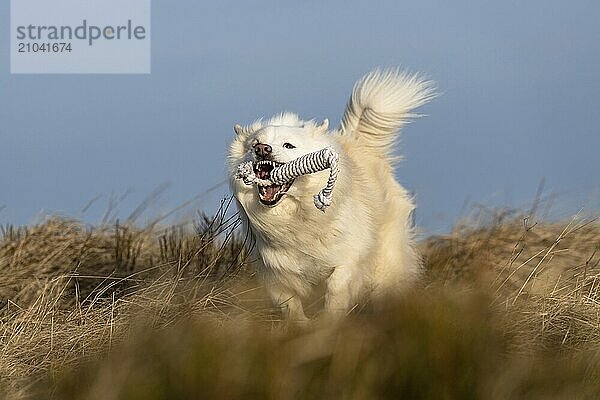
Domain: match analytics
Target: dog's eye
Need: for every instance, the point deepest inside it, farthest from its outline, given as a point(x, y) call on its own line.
point(289, 146)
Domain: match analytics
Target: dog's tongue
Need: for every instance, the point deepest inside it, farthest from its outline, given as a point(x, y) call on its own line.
point(271, 191)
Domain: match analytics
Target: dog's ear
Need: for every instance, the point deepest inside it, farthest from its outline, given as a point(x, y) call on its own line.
point(239, 130)
point(323, 127)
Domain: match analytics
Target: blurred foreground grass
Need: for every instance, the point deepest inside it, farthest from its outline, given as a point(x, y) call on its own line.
point(508, 308)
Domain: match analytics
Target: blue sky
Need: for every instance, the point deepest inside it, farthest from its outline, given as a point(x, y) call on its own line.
point(520, 103)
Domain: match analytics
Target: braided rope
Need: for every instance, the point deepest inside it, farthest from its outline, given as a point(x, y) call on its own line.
point(310, 163)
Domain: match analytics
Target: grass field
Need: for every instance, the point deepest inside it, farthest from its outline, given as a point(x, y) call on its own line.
point(509, 308)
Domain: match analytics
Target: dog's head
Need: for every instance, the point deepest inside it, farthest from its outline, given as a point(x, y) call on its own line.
point(268, 144)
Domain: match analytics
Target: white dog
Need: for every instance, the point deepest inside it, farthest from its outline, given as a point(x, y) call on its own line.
point(363, 243)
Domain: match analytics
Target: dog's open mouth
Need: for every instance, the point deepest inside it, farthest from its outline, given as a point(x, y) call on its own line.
point(269, 195)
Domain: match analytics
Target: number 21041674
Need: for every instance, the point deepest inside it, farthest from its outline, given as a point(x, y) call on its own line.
point(26, 47)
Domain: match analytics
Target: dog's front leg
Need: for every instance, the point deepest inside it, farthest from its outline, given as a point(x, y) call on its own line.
point(289, 304)
point(343, 286)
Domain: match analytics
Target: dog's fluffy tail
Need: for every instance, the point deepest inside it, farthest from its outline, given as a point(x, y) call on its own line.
point(381, 102)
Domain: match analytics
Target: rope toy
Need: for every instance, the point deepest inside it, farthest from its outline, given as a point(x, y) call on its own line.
point(310, 163)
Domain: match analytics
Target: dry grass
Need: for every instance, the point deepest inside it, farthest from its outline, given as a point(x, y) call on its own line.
point(509, 308)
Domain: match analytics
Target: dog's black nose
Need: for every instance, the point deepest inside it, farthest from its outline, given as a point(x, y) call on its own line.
point(263, 150)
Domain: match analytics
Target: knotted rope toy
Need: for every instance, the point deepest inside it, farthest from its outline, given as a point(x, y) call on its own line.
point(310, 163)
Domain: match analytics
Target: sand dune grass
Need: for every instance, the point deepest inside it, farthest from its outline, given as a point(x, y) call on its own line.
point(508, 308)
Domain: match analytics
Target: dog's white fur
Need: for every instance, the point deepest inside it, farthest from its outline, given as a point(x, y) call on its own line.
point(363, 243)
